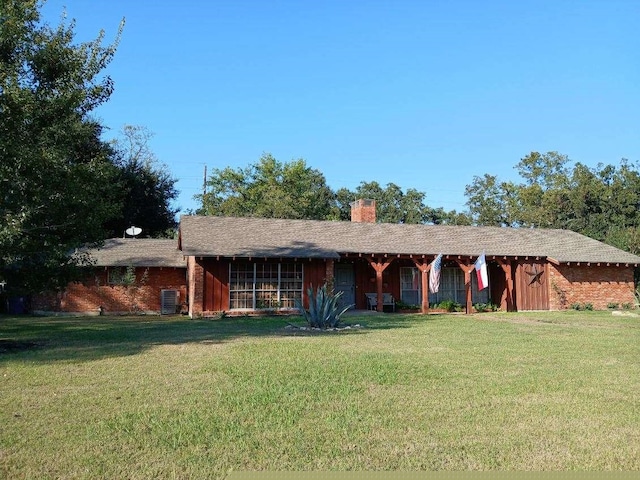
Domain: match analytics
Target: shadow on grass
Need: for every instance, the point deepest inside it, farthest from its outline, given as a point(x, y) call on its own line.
point(77, 339)
point(387, 321)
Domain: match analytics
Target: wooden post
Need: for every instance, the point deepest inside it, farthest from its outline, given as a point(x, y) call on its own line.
point(424, 268)
point(506, 300)
point(379, 267)
point(467, 291)
point(379, 295)
point(467, 269)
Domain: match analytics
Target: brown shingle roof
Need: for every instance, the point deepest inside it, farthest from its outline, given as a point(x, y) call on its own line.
point(261, 237)
point(141, 252)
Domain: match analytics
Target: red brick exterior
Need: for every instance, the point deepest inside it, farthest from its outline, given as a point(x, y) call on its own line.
point(363, 211)
point(567, 285)
point(597, 285)
point(87, 297)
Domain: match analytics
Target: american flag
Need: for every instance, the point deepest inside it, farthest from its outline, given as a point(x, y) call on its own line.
point(434, 274)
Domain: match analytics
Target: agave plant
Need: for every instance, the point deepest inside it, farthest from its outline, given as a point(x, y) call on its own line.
point(324, 311)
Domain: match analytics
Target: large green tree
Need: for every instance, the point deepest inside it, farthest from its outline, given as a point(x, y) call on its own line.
point(270, 189)
point(393, 205)
point(143, 185)
point(273, 189)
point(601, 202)
point(55, 172)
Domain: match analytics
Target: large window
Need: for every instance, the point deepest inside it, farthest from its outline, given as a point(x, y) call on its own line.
point(258, 286)
point(410, 286)
point(451, 287)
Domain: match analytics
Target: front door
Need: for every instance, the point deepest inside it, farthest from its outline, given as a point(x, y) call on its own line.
point(345, 282)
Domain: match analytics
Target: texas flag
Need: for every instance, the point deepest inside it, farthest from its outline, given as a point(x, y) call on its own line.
point(481, 272)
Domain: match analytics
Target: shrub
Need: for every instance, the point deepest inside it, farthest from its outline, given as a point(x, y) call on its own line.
point(612, 305)
point(449, 306)
point(407, 306)
point(324, 311)
point(627, 306)
point(485, 307)
point(588, 306)
point(576, 306)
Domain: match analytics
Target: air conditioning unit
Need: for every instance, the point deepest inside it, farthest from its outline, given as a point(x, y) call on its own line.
point(169, 301)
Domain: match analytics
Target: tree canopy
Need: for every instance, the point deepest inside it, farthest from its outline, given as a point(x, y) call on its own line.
point(55, 171)
point(144, 187)
point(392, 204)
point(270, 189)
point(601, 202)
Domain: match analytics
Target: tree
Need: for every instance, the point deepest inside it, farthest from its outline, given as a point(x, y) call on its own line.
point(392, 204)
point(488, 201)
point(144, 187)
point(439, 216)
point(269, 189)
point(602, 202)
point(55, 172)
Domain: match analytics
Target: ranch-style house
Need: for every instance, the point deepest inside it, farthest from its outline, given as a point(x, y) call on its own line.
point(253, 265)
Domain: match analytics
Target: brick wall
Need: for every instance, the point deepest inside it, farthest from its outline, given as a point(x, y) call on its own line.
point(87, 297)
point(598, 285)
point(363, 211)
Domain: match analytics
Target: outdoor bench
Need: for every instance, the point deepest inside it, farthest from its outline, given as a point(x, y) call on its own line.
point(387, 300)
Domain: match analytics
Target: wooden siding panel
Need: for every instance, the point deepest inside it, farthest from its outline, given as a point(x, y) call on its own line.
point(532, 285)
point(209, 293)
point(314, 274)
point(365, 283)
point(497, 284)
point(216, 296)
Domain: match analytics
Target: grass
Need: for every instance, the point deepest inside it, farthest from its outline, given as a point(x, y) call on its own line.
point(176, 398)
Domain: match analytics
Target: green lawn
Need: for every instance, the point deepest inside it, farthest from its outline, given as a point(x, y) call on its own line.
point(153, 397)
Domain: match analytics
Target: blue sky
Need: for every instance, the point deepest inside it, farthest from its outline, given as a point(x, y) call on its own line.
point(424, 94)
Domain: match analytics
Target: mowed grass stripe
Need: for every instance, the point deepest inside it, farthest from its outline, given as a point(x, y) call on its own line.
point(141, 397)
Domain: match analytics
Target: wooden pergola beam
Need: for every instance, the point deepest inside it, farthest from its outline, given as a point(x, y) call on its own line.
point(424, 268)
point(467, 269)
point(507, 302)
point(379, 267)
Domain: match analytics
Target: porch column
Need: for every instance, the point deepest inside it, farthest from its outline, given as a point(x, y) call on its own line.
point(329, 274)
point(424, 268)
point(379, 266)
point(506, 301)
point(467, 269)
point(196, 286)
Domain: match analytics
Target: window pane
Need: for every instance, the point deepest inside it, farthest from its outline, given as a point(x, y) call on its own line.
point(410, 285)
point(290, 284)
point(273, 286)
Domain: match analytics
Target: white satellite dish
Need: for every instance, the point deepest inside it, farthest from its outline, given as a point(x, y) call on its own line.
point(133, 231)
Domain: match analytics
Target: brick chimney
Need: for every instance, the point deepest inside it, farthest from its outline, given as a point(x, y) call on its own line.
point(363, 211)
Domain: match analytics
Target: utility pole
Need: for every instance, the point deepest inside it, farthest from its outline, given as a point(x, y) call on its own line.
point(204, 183)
